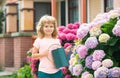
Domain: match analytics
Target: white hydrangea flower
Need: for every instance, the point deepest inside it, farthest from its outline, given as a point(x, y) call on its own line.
point(104, 38)
point(95, 31)
point(107, 63)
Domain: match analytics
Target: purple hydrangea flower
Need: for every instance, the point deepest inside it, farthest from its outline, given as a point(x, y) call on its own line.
point(101, 72)
point(91, 42)
point(88, 61)
point(114, 72)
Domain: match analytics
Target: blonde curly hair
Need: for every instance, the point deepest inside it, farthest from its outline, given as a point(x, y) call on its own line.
point(46, 19)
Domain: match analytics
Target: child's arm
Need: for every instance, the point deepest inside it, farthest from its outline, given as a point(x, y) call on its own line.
point(36, 55)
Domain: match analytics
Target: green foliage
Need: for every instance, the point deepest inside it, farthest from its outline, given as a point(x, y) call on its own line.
point(23, 72)
point(1, 20)
point(6, 77)
point(108, 26)
point(0, 67)
point(113, 44)
point(14, 75)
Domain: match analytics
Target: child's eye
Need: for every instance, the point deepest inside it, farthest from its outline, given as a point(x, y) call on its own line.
point(51, 26)
point(46, 26)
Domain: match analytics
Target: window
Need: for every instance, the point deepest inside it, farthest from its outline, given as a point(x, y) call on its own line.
point(63, 13)
point(41, 8)
point(108, 5)
point(73, 11)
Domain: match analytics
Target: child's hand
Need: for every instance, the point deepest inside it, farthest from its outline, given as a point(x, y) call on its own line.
point(46, 52)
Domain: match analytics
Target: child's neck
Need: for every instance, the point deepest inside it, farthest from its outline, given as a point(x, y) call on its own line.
point(48, 37)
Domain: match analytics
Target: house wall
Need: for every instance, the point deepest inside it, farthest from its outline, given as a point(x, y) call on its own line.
point(6, 52)
point(116, 4)
point(94, 8)
point(21, 46)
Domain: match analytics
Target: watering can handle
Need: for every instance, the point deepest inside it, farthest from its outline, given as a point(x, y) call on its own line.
point(53, 45)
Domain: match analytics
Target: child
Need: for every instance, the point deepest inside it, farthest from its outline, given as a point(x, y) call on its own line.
point(47, 35)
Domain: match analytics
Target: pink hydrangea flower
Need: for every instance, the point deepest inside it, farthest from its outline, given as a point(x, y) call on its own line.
point(116, 29)
point(35, 76)
point(70, 26)
point(82, 51)
point(77, 24)
point(66, 45)
point(62, 36)
point(74, 31)
point(84, 74)
point(29, 59)
point(34, 70)
point(64, 70)
point(96, 65)
point(61, 28)
point(77, 69)
point(66, 31)
point(98, 55)
point(70, 36)
point(82, 32)
point(67, 76)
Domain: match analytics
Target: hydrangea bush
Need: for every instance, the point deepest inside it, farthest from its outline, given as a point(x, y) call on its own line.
point(98, 55)
point(67, 35)
point(33, 63)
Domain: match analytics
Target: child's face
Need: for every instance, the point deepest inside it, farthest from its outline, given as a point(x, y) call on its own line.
point(48, 29)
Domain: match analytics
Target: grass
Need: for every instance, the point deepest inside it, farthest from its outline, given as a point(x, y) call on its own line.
point(5, 76)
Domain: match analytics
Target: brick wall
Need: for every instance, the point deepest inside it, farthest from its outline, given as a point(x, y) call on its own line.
point(6, 52)
point(21, 46)
point(1, 52)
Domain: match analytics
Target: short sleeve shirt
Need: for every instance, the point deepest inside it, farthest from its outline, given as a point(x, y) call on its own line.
point(45, 64)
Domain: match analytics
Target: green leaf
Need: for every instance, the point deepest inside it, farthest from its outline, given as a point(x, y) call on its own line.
point(108, 26)
point(112, 41)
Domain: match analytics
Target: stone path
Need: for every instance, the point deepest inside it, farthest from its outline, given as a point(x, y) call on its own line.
point(3, 73)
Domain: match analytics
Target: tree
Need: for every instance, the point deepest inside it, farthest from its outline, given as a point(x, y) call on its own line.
point(1, 14)
point(1, 20)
